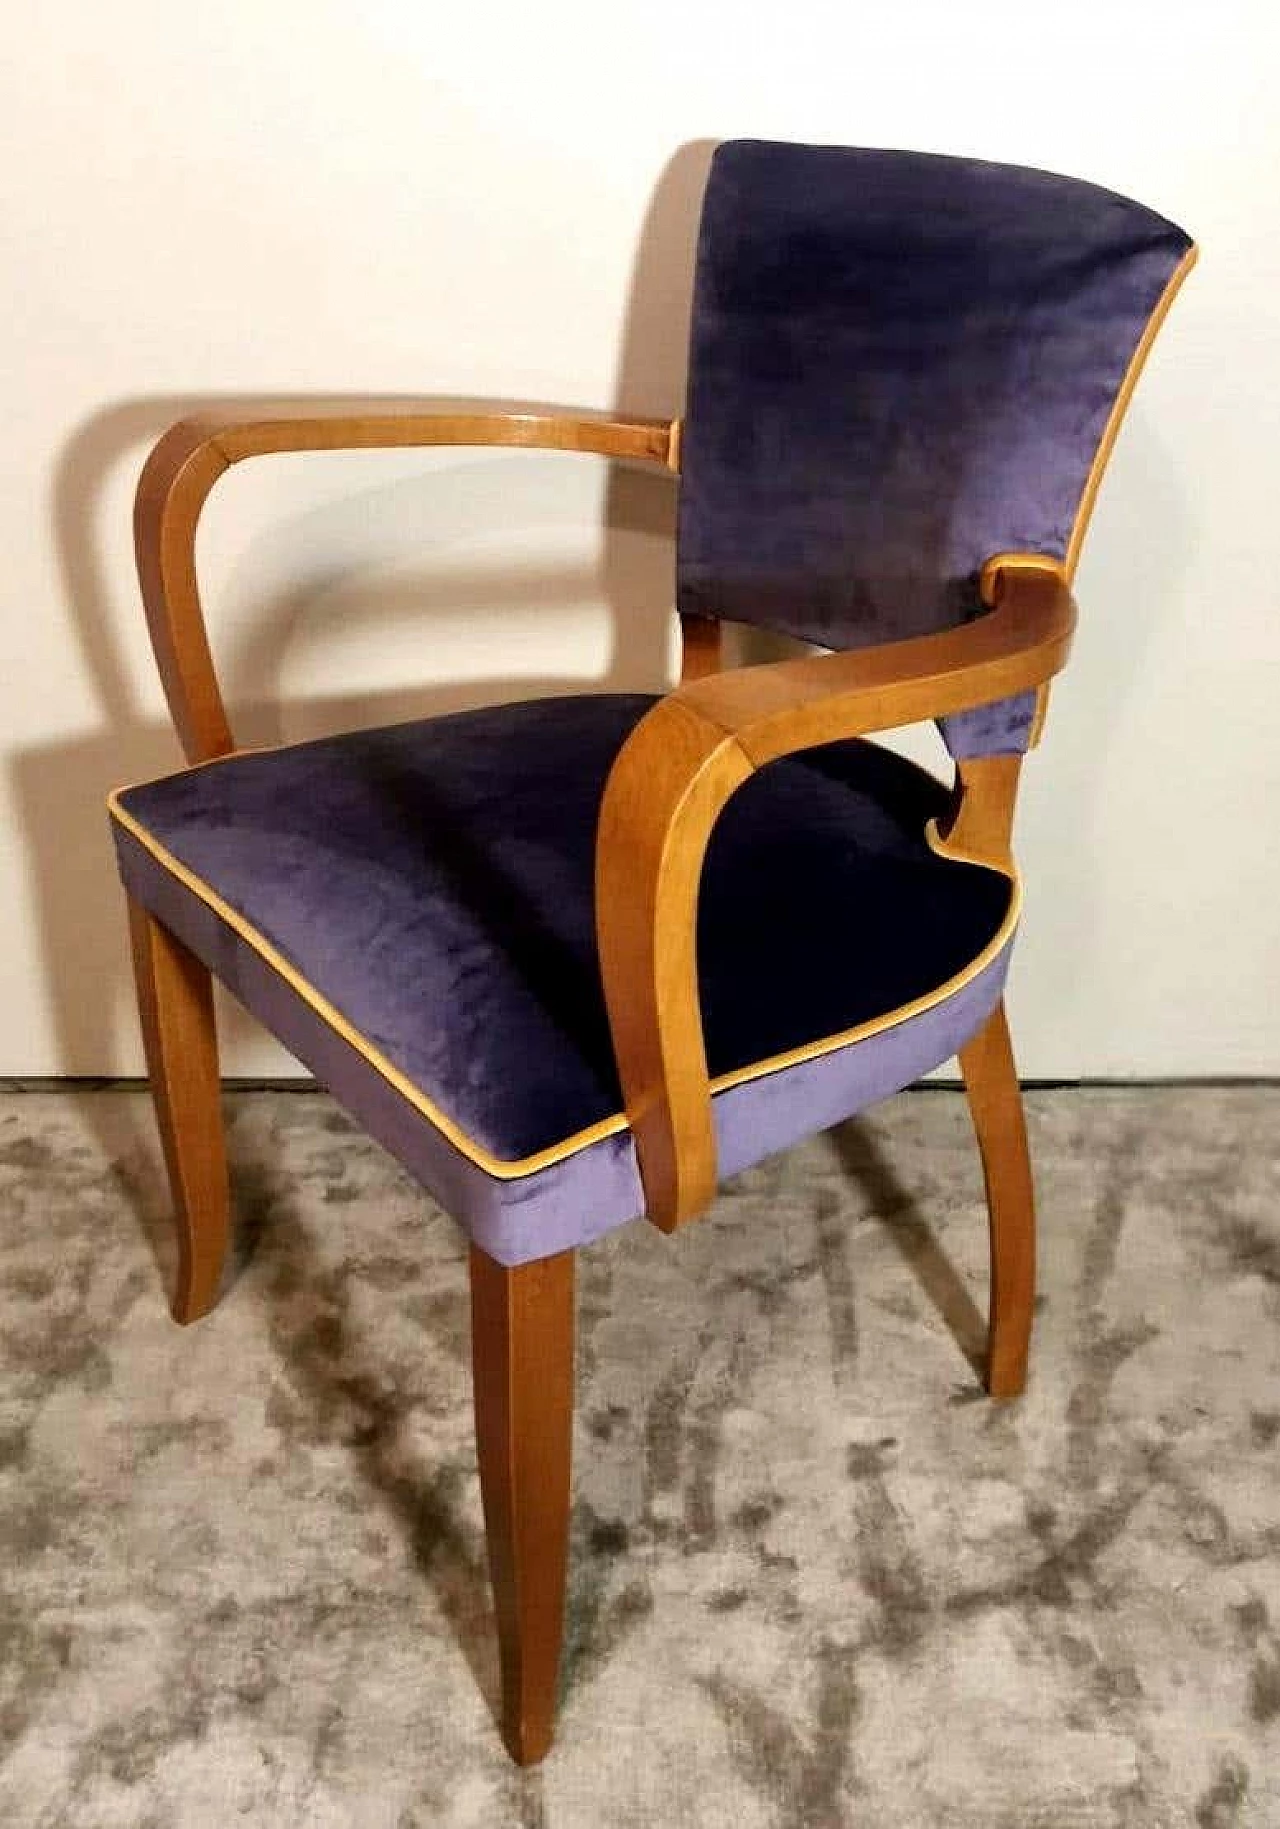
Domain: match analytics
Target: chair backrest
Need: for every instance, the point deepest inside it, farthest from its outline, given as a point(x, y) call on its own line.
point(900, 365)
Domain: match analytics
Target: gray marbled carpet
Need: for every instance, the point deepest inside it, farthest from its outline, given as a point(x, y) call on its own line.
point(818, 1579)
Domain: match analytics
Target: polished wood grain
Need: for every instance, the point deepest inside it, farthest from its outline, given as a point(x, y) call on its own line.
point(995, 1102)
point(175, 1003)
point(1005, 565)
point(701, 648)
point(774, 710)
point(996, 569)
point(172, 490)
point(979, 824)
point(522, 1324)
point(187, 462)
point(667, 788)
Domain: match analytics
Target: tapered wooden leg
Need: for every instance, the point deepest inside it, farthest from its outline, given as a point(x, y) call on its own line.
point(175, 1003)
point(522, 1356)
point(995, 1100)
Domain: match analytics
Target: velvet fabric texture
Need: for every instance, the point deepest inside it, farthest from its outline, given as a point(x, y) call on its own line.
point(434, 883)
point(900, 365)
point(580, 1197)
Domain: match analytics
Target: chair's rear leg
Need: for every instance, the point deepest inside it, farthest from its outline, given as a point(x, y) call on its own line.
point(995, 1100)
point(522, 1356)
point(175, 1003)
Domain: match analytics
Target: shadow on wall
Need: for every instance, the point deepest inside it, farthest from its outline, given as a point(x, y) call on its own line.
point(60, 788)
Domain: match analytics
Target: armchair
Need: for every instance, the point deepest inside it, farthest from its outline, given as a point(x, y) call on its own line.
point(576, 960)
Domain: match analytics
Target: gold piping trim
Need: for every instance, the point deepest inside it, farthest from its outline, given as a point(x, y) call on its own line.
point(1038, 721)
point(503, 1169)
point(1097, 469)
point(1120, 407)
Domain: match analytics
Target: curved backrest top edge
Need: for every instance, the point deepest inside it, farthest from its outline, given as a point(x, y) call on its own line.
point(901, 363)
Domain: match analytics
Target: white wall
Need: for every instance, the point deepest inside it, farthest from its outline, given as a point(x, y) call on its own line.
point(318, 197)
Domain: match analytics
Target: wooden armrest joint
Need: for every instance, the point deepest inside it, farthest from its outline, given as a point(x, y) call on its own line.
point(674, 776)
point(188, 460)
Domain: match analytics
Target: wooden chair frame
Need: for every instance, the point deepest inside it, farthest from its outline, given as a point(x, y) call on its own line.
point(669, 784)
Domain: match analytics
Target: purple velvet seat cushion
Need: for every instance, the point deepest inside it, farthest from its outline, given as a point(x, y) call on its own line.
point(579, 1196)
point(900, 364)
point(434, 881)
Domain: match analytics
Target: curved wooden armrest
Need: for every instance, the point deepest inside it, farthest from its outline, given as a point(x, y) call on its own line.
point(184, 466)
point(672, 779)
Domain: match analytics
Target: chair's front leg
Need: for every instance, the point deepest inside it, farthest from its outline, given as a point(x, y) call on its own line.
point(522, 1359)
point(175, 1004)
point(995, 1100)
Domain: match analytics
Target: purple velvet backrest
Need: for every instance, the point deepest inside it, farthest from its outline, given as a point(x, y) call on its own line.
point(900, 364)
